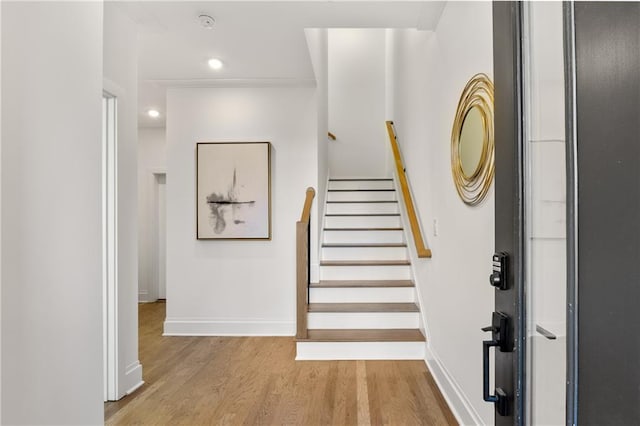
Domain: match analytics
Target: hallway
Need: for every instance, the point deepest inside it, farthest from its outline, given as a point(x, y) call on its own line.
point(255, 380)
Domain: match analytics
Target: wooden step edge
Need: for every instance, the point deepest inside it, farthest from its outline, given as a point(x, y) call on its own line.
point(362, 201)
point(365, 263)
point(363, 190)
point(362, 307)
point(360, 179)
point(362, 284)
point(362, 245)
point(360, 214)
point(363, 229)
point(364, 335)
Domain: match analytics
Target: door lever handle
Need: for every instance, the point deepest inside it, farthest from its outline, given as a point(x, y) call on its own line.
point(486, 344)
point(500, 338)
point(500, 398)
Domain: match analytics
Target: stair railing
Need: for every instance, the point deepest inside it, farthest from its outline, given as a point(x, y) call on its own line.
point(303, 234)
point(418, 240)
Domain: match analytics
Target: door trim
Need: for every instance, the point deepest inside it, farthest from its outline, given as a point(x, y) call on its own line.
point(110, 309)
point(572, 213)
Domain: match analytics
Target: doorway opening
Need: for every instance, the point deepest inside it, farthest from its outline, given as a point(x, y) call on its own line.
point(545, 213)
point(160, 236)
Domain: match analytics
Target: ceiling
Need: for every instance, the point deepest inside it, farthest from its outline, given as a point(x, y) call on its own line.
point(259, 42)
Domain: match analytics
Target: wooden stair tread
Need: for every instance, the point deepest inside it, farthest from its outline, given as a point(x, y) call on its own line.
point(359, 179)
point(365, 263)
point(363, 307)
point(364, 245)
point(365, 335)
point(363, 190)
point(360, 214)
point(362, 283)
point(363, 229)
point(362, 201)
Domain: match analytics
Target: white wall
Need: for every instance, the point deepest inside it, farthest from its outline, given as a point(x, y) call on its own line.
point(51, 213)
point(121, 78)
point(431, 69)
point(357, 102)
point(152, 159)
point(237, 287)
point(317, 41)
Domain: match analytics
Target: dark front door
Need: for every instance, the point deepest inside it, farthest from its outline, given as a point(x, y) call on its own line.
point(603, 216)
point(506, 322)
point(607, 114)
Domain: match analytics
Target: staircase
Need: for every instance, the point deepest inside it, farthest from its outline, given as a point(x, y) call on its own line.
point(364, 306)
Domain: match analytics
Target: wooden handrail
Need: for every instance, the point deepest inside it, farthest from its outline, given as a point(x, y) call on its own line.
point(422, 250)
point(302, 265)
point(306, 209)
point(331, 136)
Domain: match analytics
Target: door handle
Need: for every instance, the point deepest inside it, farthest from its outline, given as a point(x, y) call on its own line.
point(500, 398)
point(500, 339)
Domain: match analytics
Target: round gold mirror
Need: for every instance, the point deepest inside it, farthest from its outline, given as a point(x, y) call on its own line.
point(472, 145)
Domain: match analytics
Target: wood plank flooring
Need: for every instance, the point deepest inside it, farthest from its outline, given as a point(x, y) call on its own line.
point(255, 381)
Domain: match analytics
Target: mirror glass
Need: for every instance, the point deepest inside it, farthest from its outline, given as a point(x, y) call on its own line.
point(471, 141)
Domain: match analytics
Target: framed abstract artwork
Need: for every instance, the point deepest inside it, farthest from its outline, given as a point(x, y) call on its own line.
point(233, 190)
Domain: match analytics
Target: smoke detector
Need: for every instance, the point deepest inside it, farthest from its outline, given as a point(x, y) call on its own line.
point(206, 21)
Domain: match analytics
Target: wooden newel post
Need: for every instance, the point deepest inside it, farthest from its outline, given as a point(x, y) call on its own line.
point(302, 262)
point(302, 266)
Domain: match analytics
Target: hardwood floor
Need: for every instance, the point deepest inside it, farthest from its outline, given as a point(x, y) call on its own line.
point(255, 381)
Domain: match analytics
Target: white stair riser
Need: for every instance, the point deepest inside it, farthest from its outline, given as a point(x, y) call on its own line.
point(363, 236)
point(362, 320)
point(365, 272)
point(362, 294)
point(361, 196)
point(364, 253)
point(361, 184)
point(360, 350)
point(362, 222)
point(346, 208)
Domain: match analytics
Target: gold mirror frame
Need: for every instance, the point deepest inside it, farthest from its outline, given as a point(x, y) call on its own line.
point(477, 93)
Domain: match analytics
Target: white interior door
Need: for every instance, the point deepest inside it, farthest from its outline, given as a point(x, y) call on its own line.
point(162, 237)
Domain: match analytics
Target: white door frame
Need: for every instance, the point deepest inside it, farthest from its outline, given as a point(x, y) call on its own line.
point(110, 246)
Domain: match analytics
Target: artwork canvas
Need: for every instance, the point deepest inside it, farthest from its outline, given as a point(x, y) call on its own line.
point(233, 190)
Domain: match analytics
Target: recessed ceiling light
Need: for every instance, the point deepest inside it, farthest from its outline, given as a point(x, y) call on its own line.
point(215, 63)
point(153, 113)
point(206, 21)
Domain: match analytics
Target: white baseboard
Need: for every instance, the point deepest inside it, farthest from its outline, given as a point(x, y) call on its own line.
point(133, 377)
point(224, 327)
point(460, 406)
point(143, 297)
